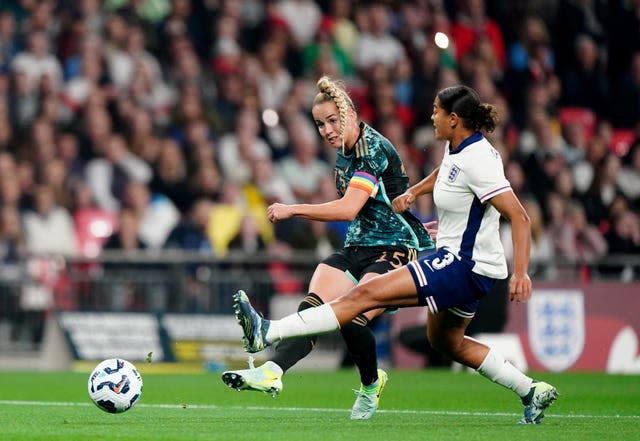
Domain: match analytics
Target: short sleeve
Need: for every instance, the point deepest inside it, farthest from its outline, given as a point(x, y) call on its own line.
point(368, 171)
point(486, 177)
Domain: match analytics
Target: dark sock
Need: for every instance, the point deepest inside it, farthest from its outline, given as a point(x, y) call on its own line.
point(526, 400)
point(361, 345)
point(291, 351)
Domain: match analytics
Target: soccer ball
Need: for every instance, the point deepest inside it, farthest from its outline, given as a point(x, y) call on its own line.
point(115, 385)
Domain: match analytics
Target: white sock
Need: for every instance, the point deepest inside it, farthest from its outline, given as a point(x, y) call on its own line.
point(500, 371)
point(312, 321)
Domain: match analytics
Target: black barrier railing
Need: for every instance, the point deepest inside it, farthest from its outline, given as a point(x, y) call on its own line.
point(179, 281)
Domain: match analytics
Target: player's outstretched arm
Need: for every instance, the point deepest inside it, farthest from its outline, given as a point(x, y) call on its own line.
point(404, 201)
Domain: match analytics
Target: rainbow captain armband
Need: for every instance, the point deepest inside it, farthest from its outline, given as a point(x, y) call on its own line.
point(366, 182)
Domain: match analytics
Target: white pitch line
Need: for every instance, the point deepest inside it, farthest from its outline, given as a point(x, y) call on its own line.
point(311, 409)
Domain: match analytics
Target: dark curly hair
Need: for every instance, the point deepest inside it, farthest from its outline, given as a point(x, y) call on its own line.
point(465, 102)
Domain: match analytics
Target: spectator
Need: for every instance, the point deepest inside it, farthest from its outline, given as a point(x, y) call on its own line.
point(629, 177)
point(109, 174)
point(385, 105)
point(542, 255)
point(275, 80)
point(191, 232)
point(563, 184)
point(575, 136)
point(575, 18)
point(141, 136)
point(542, 248)
point(54, 176)
point(323, 51)
point(170, 175)
point(587, 74)
point(93, 225)
point(190, 19)
point(48, 228)
point(272, 186)
point(189, 108)
point(603, 191)
point(90, 76)
point(585, 169)
point(376, 44)
point(517, 177)
point(206, 181)
point(545, 159)
point(12, 244)
point(238, 149)
point(22, 101)
point(229, 97)
point(127, 235)
point(11, 194)
point(302, 18)
point(304, 169)
point(68, 151)
point(471, 26)
point(248, 239)
point(425, 78)
point(42, 18)
point(226, 49)
point(130, 56)
point(624, 21)
point(345, 32)
point(37, 62)
point(576, 240)
point(41, 146)
point(624, 235)
point(531, 56)
point(9, 45)
point(226, 218)
point(626, 95)
point(156, 214)
point(402, 82)
point(199, 141)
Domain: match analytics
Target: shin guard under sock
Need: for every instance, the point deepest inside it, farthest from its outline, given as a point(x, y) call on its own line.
point(361, 344)
point(289, 352)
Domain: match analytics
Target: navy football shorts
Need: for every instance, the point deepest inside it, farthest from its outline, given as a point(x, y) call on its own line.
point(444, 281)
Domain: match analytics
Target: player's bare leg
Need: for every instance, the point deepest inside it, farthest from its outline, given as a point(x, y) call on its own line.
point(446, 334)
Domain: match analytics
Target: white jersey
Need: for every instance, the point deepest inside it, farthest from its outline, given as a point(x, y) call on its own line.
point(467, 225)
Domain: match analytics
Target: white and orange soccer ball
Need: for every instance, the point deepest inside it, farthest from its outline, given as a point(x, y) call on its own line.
point(115, 385)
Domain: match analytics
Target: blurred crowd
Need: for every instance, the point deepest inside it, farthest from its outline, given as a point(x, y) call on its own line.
point(163, 124)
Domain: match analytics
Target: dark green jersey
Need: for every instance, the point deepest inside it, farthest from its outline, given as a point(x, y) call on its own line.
point(374, 165)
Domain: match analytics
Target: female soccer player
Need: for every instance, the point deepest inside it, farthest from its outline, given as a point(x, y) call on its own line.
point(369, 174)
point(470, 192)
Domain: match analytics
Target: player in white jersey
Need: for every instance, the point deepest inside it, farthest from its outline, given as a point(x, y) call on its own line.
point(470, 192)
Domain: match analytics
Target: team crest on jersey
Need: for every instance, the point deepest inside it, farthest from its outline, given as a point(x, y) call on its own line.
point(556, 325)
point(453, 173)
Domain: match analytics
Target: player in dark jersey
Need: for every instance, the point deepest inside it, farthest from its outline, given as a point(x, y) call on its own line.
point(369, 174)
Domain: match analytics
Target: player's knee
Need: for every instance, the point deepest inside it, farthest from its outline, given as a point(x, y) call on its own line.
point(361, 295)
point(439, 345)
point(441, 342)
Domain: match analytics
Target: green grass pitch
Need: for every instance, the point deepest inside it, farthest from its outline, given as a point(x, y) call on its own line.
point(416, 405)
